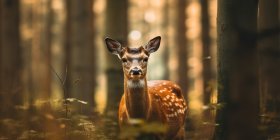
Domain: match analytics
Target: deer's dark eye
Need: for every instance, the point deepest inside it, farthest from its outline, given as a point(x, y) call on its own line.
point(145, 60)
point(124, 60)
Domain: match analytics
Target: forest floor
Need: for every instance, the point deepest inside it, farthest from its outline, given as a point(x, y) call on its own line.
point(93, 127)
point(200, 125)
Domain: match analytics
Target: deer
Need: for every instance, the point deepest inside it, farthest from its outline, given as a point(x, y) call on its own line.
point(152, 101)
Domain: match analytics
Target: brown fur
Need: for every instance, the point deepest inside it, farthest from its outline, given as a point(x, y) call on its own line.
point(161, 108)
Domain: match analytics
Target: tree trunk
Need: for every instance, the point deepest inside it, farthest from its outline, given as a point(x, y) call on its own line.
point(58, 51)
point(165, 36)
point(206, 45)
point(238, 89)
point(81, 70)
point(46, 46)
point(40, 52)
point(27, 35)
point(116, 28)
point(10, 69)
point(182, 46)
point(269, 52)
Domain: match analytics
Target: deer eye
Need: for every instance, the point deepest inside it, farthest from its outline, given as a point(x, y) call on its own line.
point(124, 60)
point(145, 60)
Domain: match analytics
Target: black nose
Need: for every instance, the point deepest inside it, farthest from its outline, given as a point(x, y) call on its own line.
point(135, 71)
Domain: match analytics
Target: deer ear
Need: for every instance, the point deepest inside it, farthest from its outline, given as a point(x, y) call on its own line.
point(113, 46)
point(153, 44)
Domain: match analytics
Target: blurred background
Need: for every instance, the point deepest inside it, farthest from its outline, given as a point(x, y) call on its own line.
point(58, 81)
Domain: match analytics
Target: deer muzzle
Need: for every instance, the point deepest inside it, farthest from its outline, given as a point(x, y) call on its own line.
point(135, 71)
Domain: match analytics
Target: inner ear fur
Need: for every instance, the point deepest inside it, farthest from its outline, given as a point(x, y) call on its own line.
point(113, 46)
point(153, 44)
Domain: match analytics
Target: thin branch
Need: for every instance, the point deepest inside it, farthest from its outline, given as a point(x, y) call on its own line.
point(56, 74)
point(62, 82)
point(65, 76)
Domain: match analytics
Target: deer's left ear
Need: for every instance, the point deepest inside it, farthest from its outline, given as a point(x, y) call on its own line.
point(153, 44)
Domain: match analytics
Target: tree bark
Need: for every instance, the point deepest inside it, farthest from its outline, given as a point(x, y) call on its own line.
point(57, 47)
point(206, 45)
point(80, 48)
point(10, 69)
point(116, 28)
point(46, 47)
point(40, 52)
point(238, 88)
point(165, 36)
point(269, 52)
point(182, 46)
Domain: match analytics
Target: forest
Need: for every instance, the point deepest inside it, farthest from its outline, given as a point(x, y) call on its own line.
point(58, 81)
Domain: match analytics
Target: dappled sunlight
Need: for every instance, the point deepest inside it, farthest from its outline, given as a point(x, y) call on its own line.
point(135, 35)
point(150, 16)
point(193, 20)
point(195, 102)
point(99, 6)
point(100, 94)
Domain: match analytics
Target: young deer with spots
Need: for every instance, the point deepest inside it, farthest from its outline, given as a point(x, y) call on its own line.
point(159, 101)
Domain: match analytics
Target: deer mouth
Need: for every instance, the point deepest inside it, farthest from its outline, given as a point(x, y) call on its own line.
point(136, 76)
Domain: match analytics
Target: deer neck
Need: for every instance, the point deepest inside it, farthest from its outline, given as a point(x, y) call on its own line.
point(137, 98)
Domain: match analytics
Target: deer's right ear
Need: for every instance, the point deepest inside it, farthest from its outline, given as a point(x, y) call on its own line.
point(113, 46)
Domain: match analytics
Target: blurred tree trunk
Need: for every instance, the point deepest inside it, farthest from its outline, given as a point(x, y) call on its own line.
point(80, 51)
point(46, 22)
point(46, 46)
point(269, 52)
point(206, 45)
point(182, 46)
point(165, 36)
point(208, 114)
point(116, 28)
point(41, 71)
point(238, 88)
point(10, 69)
point(58, 50)
point(27, 36)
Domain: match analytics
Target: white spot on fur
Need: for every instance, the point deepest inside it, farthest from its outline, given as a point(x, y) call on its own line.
point(167, 96)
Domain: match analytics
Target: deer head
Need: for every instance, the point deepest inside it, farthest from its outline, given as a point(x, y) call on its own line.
point(134, 60)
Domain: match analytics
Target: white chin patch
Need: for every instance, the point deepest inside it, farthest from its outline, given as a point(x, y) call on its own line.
point(135, 83)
